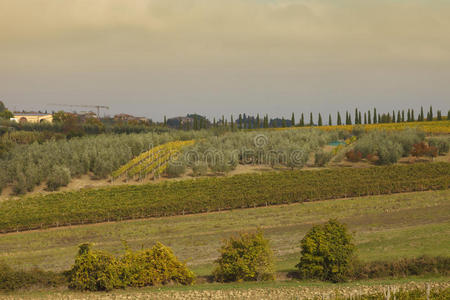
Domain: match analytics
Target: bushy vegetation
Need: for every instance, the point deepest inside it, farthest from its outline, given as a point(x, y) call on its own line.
point(247, 257)
point(321, 158)
point(96, 270)
point(59, 176)
point(29, 165)
point(327, 253)
point(289, 148)
point(217, 193)
point(175, 169)
point(11, 280)
point(442, 144)
point(424, 265)
point(386, 146)
point(154, 266)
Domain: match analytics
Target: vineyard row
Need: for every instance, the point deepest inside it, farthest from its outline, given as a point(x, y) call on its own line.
point(215, 194)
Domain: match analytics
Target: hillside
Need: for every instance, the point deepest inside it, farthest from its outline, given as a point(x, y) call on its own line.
point(386, 227)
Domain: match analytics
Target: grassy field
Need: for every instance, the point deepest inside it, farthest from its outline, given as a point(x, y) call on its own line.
point(386, 227)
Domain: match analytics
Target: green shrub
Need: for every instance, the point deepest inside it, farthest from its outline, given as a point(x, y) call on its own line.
point(59, 176)
point(94, 270)
point(327, 253)
point(200, 169)
point(246, 257)
point(321, 158)
point(154, 266)
point(11, 280)
point(442, 145)
point(175, 169)
point(404, 267)
point(388, 152)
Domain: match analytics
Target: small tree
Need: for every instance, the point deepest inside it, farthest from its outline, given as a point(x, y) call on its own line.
point(247, 257)
point(59, 176)
point(327, 252)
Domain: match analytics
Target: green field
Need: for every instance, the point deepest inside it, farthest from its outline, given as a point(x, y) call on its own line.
point(386, 227)
point(215, 194)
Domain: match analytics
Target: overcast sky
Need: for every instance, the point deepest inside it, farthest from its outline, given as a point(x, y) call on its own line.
point(159, 57)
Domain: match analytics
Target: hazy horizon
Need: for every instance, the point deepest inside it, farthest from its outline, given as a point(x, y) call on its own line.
point(153, 58)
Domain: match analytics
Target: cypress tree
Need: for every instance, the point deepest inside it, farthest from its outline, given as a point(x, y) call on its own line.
point(448, 115)
point(365, 118)
point(240, 122)
point(399, 117)
point(356, 116)
point(375, 121)
point(214, 122)
point(409, 115)
point(412, 115)
point(339, 121)
point(393, 117)
point(165, 121)
point(292, 120)
point(369, 119)
point(421, 116)
point(258, 123)
point(379, 118)
point(232, 123)
point(359, 118)
point(430, 114)
point(439, 115)
point(329, 120)
point(310, 119)
point(302, 121)
point(320, 120)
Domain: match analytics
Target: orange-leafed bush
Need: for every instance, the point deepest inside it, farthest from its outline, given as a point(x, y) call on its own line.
point(353, 155)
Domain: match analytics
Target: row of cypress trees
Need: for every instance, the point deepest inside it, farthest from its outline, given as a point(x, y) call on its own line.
point(370, 117)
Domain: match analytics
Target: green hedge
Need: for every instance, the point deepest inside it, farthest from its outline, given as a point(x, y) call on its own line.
point(217, 193)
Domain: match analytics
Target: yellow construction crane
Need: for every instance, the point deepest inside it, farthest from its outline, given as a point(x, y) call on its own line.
point(83, 105)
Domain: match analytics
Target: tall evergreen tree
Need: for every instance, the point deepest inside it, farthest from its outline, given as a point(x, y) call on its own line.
point(421, 116)
point(412, 115)
point(369, 119)
point(232, 123)
point(165, 121)
point(329, 120)
point(359, 117)
point(399, 117)
point(356, 116)
point(375, 121)
point(258, 123)
point(319, 122)
point(302, 121)
point(439, 115)
point(240, 122)
point(430, 114)
point(292, 120)
point(403, 115)
point(409, 115)
point(448, 115)
point(339, 121)
point(393, 117)
point(365, 118)
point(311, 119)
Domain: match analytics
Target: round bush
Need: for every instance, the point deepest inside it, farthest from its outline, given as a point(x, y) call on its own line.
point(200, 169)
point(327, 253)
point(94, 271)
point(175, 169)
point(246, 257)
point(59, 176)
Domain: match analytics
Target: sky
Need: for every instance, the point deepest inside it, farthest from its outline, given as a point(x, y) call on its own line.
point(214, 57)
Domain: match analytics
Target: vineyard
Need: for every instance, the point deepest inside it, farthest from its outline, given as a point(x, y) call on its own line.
point(154, 161)
point(215, 194)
